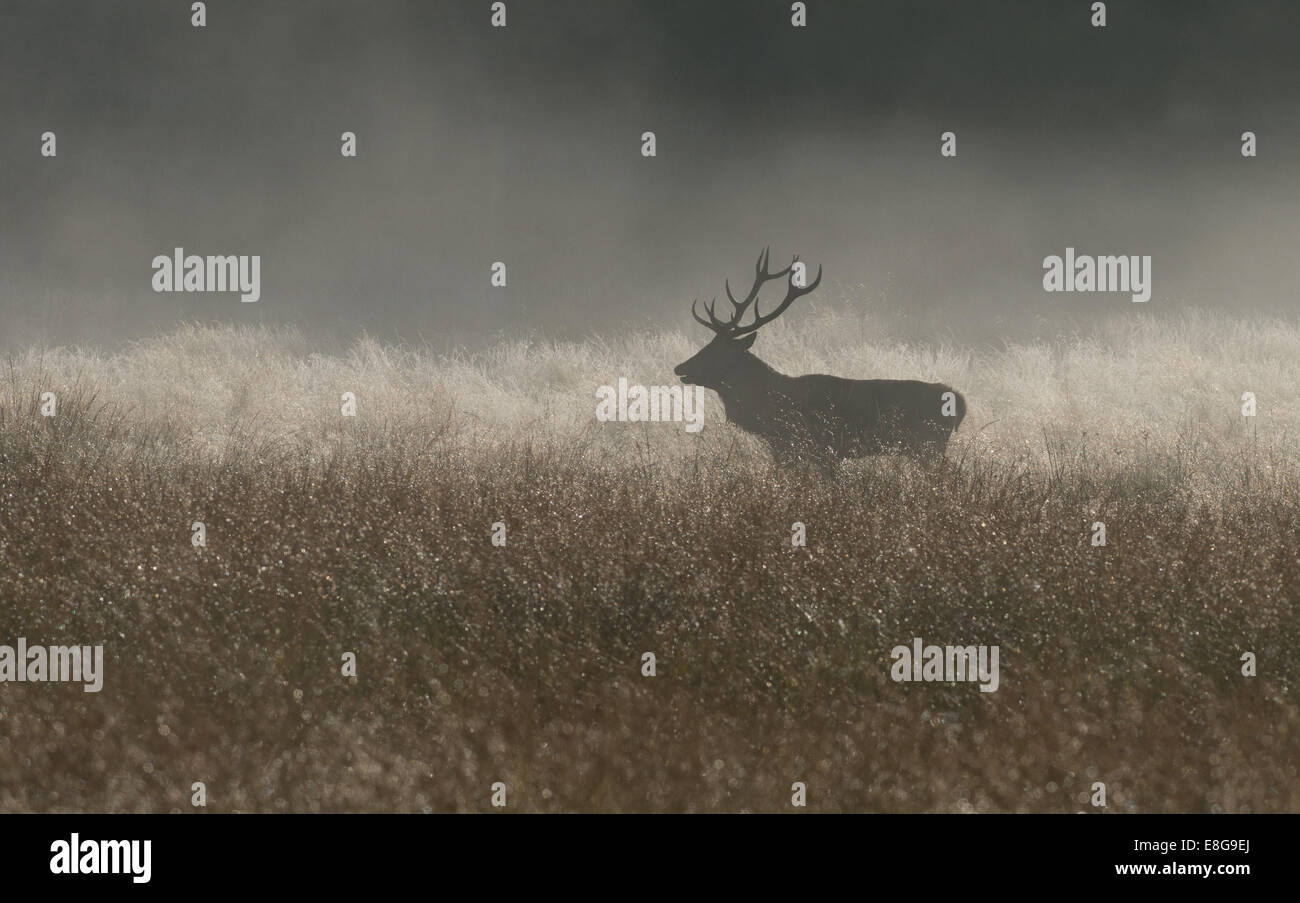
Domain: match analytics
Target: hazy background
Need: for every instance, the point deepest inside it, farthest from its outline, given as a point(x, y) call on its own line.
point(522, 144)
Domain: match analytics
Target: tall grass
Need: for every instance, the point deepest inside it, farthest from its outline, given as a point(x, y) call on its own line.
point(330, 534)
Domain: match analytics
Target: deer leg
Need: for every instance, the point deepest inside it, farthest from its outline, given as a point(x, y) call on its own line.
point(824, 461)
point(804, 455)
point(828, 467)
point(784, 457)
point(929, 453)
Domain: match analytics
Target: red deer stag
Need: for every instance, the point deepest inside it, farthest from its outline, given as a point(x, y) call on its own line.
point(816, 418)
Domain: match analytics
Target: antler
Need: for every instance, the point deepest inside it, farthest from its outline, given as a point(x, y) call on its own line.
point(761, 276)
point(792, 293)
point(732, 327)
point(718, 326)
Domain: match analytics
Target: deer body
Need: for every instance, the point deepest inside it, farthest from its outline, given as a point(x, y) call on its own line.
point(817, 418)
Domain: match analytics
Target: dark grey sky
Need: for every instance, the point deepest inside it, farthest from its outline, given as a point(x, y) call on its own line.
point(478, 144)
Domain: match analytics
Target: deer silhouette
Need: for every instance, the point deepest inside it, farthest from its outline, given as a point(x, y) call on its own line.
point(815, 419)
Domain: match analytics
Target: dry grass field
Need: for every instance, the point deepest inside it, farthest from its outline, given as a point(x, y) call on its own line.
point(522, 664)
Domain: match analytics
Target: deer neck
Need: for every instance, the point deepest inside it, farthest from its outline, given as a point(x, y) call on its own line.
point(748, 391)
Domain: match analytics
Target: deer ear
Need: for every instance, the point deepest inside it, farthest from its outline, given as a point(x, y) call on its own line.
point(748, 341)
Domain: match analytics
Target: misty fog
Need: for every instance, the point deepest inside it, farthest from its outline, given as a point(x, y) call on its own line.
point(523, 145)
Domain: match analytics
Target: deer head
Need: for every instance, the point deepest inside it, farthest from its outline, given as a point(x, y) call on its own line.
point(715, 363)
